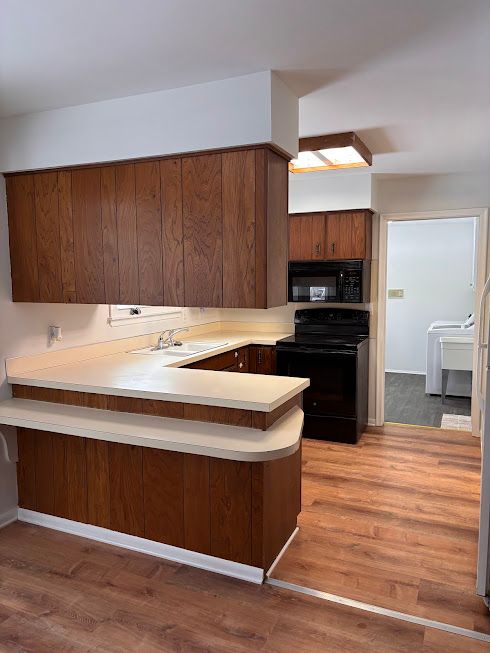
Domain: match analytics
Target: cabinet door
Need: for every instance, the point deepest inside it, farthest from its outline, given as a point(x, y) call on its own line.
point(172, 232)
point(307, 237)
point(48, 237)
point(239, 274)
point(203, 234)
point(127, 234)
point(87, 235)
point(262, 360)
point(349, 235)
point(22, 236)
point(149, 232)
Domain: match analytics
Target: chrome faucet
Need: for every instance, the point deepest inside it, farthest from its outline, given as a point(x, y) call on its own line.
point(168, 341)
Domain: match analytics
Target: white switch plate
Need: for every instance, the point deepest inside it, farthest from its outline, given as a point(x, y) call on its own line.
point(396, 293)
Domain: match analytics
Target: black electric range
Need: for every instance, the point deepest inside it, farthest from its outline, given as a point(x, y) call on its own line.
point(330, 347)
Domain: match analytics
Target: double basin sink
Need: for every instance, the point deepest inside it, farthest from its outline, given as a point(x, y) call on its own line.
point(180, 351)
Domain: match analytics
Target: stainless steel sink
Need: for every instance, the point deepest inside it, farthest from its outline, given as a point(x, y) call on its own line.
point(180, 351)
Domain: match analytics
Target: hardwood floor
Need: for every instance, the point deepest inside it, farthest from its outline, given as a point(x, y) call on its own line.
point(393, 522)
point(61, 593)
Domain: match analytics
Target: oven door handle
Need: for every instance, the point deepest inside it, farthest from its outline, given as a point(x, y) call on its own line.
point(316, 352)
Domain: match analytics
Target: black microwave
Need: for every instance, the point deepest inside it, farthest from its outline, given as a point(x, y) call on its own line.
point(329, 281)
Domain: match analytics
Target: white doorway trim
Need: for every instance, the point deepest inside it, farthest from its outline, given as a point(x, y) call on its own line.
point(481, 274)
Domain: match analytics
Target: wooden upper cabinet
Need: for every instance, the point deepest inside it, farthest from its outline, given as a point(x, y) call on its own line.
point(307, 237)
point(22, 236)
point(348, 235)
point(198, 230)
point(87, 236)
point(330, 236)
point(203, 230)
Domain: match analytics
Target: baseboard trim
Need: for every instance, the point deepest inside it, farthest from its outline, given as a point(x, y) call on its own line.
point(282, 552)
point(8, 517)
point(142, 545)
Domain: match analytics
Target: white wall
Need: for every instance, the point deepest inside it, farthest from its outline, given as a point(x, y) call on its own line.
point(256, 108)
point(330, 191)
point(407, 193)
point(432, 261)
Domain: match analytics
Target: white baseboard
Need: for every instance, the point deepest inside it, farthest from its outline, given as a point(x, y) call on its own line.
point(282, 551)
point(133, 543)
point(405, 372)
point(8, 517)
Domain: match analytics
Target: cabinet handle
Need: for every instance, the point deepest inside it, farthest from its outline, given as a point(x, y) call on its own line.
point(236, 354)
point(259, 357)
point(318, 250)
point(240, 365)
point(333, 248)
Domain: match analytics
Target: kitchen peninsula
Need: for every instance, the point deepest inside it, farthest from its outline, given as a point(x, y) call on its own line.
point(195, 465)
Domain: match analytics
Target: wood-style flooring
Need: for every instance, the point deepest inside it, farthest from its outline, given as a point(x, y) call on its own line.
point(393, 521)
point(407, 403)
point(60, 593)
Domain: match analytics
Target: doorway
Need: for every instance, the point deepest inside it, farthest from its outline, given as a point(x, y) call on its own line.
point(414, 298)
point(430, 305)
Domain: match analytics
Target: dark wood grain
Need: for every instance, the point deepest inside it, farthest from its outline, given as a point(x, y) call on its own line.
point(163, 483)
point(48, 237)
point(127, 232)
point(203, 237)
point(218, 415)
point(197, 526)
point(26, 468)
point(348, 235)
point(238, 179)
point(230, 503)
point(22, 238)
point(22, 391)
point(67, 247)
point(44, 471)
point(327, 141)
point(124, 404)
point(264, 421)
point(262, 359)
point(126, 489)
point(98, 486)
point(172, 232)
point(261, 194)
point(70, 477)
point(109, 234)
point(162, 408)
point(149, 229)
point(87, 233)
point(277, 229)
point(307, 237)
point(85, 399)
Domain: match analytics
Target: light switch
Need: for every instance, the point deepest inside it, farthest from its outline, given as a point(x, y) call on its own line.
point(396, 293)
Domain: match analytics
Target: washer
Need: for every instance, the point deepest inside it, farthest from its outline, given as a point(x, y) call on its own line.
point(459, 383)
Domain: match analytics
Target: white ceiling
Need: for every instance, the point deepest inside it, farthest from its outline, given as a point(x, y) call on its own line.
point(410, 76)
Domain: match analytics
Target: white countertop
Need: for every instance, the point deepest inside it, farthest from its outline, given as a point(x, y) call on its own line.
point(158, 377)
point(207, 439)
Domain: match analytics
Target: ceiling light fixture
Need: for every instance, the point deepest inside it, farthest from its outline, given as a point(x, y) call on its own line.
point(331, 152)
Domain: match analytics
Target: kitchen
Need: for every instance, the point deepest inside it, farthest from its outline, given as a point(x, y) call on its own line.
point(147, 249)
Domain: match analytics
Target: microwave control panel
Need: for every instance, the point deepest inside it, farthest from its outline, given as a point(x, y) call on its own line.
point(352, 286)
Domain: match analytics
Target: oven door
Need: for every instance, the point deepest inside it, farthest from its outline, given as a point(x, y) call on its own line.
point(332, 375)
point(314, 283)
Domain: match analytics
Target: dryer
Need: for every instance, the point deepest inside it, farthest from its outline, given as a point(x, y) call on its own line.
point(459, 383)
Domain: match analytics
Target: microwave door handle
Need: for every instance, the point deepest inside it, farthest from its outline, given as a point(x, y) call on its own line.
point(340, 297)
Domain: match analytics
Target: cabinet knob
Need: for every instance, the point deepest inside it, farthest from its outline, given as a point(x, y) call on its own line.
point(333, 248)
point(317, 249)
point(236, 354)
point(240, 365)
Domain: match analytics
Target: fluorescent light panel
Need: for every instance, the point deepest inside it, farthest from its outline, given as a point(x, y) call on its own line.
point(327, 159)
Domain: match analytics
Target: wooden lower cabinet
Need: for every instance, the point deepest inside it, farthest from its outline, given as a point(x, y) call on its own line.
point(238, 511)
point(262, 359)
point(236, 360)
